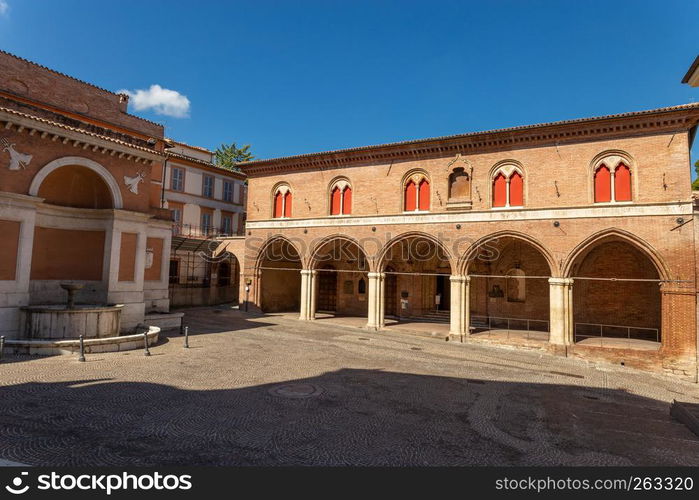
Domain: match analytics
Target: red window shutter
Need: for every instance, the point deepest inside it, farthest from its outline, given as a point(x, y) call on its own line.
point(622, 183)
point(424, 195)
point(278, 199)
point(410, 196)
point(603, 185)
point(516, 190)
point(499, 191)
point(347, 202)
point(335, 201)
point(287, 204)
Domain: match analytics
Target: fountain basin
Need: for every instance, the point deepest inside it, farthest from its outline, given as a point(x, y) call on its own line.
point(72, 346)
point(58, 322)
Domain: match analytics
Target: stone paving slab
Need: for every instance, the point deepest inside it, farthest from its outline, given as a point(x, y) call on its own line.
point(255, 390)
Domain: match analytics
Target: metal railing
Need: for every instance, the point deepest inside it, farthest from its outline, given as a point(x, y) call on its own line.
point(530, 329)
point(618, 332)
point(191, 231)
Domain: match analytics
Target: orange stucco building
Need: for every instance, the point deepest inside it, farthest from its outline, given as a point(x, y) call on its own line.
point(80, 189)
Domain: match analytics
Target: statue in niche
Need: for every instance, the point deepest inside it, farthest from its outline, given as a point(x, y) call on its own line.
point(516, 287)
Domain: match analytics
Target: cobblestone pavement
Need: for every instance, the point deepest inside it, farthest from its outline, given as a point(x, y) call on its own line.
point(272, 390)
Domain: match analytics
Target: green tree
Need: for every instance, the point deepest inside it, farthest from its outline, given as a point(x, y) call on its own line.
point(229, 155)
point(695, 184)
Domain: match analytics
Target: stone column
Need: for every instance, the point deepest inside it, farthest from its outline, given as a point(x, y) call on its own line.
point(375, 298)
point(313, 292)
point(381, 321)
point(305, 307)
point(466, 301)
point(561, 308)
point(456, 313)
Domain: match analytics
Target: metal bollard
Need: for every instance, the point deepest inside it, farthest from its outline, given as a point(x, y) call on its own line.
point(145, 343)
point(186, 337)
point(82, 349)
point(2, 346)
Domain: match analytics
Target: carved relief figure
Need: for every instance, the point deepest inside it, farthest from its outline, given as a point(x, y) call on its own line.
point(17, 160)
point(133, 182)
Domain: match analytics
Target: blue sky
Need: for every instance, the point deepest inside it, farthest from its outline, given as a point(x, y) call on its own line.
point(292, 77)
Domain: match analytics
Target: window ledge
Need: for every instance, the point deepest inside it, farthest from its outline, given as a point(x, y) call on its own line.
point(612, 203)
point(518, 207)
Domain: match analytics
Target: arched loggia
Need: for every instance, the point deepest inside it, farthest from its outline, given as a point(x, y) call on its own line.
point(279, 276)
point(339, 270)
point(617, 299)
point(509, 288)
point(415, 271)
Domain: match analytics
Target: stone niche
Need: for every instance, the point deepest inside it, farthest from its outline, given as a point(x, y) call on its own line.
point(459, 189)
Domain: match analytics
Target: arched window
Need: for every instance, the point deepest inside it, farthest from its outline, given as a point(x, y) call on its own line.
point(499, 191)
point(508, 187)
point(612, 180)
point(282, 202)
point(347, 200)
point(622, 183)
point(603, 184)
point(341, 198)
point(416, 195)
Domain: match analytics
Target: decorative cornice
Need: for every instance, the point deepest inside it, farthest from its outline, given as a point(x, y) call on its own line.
point(636, 123)
point(50, 130)
point(587, 212)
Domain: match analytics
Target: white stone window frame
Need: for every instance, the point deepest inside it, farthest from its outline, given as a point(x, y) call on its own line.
point(608, 160)
point(417, 178)
point(283, 189)
point(507, 170)
point(341, 184)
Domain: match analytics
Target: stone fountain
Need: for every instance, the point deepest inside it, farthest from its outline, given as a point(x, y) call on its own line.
point(71, 320)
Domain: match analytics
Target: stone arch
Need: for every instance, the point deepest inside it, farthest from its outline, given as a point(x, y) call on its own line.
point(278, 275)
point(268, 244)
point(381, 261)
point(609, 235)
point(472, 253)
point(616, 292)
point(314, 260)
point(104, 174)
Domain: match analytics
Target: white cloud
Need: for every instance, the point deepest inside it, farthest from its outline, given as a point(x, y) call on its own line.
point(161, 101)
point(4, 7)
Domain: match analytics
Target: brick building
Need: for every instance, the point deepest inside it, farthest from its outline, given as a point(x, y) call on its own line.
point(575, 236)
point(80, 187)
point(207, 203)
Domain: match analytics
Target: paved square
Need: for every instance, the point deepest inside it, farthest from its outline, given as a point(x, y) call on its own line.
point(276, 391)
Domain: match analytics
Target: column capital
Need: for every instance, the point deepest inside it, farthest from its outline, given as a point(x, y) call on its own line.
point(375, 276)
point(460, 278)
point(307, 271)
point(561, 281)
